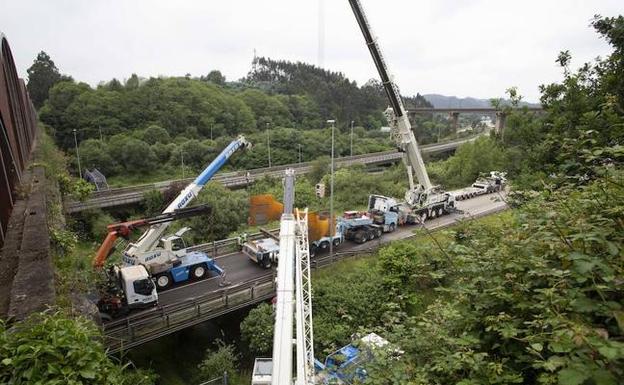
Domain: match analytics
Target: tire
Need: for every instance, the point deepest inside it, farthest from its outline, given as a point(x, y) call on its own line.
point(199, 272)
point(432, 214)
point(377, 233)
point(163, 281)
point(266, 264)
point(360, 237)
point(440, 211)
point(392, 227)
point(313, 250)
point(423, 217)
point(324, 245)
point(336, 242)
point(371, 235)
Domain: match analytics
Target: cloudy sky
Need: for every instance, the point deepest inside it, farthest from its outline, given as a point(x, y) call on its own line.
point(466, 48)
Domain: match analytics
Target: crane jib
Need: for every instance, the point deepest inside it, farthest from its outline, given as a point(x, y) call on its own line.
point(216, 164)
point(387, 83)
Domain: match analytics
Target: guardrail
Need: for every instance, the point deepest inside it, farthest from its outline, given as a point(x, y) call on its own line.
point(236, 179)
point(135, 330)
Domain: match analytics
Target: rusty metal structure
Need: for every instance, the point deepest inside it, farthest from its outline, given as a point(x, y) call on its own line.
point(18, 129)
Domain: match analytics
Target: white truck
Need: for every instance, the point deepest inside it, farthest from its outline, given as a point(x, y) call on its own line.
point(495, 182)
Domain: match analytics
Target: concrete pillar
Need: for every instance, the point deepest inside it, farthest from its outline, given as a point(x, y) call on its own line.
point(500, 122)
point(454, 120)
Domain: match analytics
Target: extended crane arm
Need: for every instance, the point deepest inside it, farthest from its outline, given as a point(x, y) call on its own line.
point(150, 238)
point(124, 229)
point(397, 116)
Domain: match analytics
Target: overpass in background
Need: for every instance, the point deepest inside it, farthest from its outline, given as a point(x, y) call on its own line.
point(237, 179)
point(501, 115)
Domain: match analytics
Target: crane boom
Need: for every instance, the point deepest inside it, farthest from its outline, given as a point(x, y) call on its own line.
point(396, 113)
point(150, 238)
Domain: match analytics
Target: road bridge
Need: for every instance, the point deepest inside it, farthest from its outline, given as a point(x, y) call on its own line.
point(237, 179)
point(197, 302)
point(501, 115)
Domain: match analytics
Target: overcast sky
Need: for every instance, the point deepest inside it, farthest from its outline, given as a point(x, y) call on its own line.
point(466, 48)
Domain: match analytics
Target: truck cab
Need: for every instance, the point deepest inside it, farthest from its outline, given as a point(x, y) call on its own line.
point(138, 287)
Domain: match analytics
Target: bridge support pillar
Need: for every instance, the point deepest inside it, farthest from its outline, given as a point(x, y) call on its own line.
point(501, 117)
point(454, 116)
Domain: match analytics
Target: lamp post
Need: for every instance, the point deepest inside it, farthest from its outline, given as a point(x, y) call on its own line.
point(77, 154)
point(269, 141)
point(351, 146)
point(331, 193)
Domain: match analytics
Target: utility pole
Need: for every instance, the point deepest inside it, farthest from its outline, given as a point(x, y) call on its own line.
point(269, 142)
point(182, 156)
point(77, 154)
point(332, 227)
point(299, 145)
point(351, 146)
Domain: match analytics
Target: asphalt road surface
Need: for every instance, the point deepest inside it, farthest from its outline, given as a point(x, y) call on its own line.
point(239, 268)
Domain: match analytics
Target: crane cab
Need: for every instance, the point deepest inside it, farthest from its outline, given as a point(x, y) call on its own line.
point(175, 243)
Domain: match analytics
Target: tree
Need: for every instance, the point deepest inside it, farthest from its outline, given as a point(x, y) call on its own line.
point(218, 360)
point(42, 75)
point(257, 329)
point(214, 76)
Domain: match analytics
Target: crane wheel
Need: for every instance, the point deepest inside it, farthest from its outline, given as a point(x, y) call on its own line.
point(440, 211)
point(336, 242)
point(392, 227)
point(324, 245)
point(163, 281)
point(198, 272)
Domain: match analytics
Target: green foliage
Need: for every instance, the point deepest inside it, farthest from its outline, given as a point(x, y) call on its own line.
point(153, 201)
point(50, 348)
point(257, 329)
point(229, 211)
point(223, 358)
point(470, 160)
point(63, 241)
point(42, 75)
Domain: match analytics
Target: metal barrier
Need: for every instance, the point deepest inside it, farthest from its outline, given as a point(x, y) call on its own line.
point(18, 126)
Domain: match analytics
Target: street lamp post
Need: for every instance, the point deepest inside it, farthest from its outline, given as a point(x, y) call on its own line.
point(77, 154)
point(331, 193)
point(351, 146)
point(269, 142)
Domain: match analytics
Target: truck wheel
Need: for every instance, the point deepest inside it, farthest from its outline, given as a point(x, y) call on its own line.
point(163, 281)
point(360, 237)
point(377, 233)
point(324, 245)
point(423, 217)
point(336, 242)
point(267, 264)
point(432, 214)
point(371, 235)
point(392, 227)
point(313, 250)
point(440, 211)
point(198, 272)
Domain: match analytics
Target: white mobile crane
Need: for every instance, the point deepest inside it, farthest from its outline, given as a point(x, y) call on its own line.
point(166, 258)
point(153, 258)
point(424, 199)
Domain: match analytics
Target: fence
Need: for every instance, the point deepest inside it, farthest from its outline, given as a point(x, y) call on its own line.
point(18, 125)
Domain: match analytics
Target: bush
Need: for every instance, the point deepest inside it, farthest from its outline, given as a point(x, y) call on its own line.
point(50, 348)
point(257, 329)
point(221, 359)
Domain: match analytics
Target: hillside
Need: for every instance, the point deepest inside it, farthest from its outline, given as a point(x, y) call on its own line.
point(442, 101)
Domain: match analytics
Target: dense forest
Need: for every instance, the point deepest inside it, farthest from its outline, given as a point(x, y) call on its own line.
point(159, 128)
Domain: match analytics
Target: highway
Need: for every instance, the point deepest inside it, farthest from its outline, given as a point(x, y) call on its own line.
point(237, 179)
point(186, 305)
